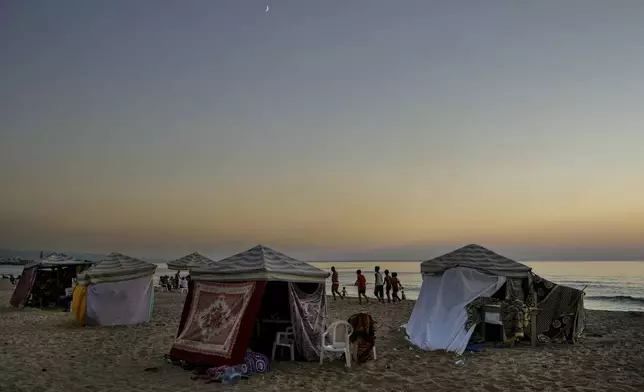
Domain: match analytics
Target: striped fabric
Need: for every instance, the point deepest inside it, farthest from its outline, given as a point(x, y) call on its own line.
point(116, 267)
point(259, 263)
point(190, 261)
point(476, 257)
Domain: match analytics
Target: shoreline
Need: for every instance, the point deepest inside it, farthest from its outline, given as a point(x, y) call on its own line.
point(45, 351)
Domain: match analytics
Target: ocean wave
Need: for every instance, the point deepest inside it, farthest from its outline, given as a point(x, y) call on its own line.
point(617, 298)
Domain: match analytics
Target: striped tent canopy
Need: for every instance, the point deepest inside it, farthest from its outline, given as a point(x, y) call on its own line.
point(58, 257)
point(475, 257)
point(193, 260)
point(116, 267)
point(259, 264)
point(56, 260)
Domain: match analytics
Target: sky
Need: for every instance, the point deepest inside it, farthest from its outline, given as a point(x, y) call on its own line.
point(328, 129)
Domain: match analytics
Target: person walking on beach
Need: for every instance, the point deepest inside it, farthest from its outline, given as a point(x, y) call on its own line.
point(361, 282)
point(378, 290)
point(388, 285)
point(395, 287)
point(335, 283)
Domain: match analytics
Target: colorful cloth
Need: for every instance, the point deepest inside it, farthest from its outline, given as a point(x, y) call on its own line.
point(227, 373)
point(151, 304)
point(308, 317)
point(257, 363)
point(363, 336)
point(215, 317)
point(79, 303)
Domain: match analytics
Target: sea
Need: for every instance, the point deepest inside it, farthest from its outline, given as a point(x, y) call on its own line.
point(609, 285)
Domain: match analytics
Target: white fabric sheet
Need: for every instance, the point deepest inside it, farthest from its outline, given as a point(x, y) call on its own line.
point(119, 303)
point(493, 318)
point(438, 319)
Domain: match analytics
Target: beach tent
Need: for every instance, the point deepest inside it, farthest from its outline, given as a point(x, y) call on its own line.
point(44, 281)
point(116, 291)
point(248, 296)
point(193, 260)
point(444, 318)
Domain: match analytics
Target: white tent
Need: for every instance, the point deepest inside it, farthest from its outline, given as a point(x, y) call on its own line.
point(116, 291)
point(450, 283)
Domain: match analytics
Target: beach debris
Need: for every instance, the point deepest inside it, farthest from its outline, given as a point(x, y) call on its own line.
point(460, 362)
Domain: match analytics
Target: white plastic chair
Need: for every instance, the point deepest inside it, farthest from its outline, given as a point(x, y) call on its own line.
point(339, 333)
point(161, 286)
point(285, 339)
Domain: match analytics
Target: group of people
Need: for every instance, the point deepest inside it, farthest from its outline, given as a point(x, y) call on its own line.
point(175, 282)
point(388, 284)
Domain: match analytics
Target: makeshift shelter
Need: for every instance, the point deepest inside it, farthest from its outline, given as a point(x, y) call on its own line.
point(193, 260)
point(241, 302)
point(116, 291)
point(43, 282)
point(472, 286)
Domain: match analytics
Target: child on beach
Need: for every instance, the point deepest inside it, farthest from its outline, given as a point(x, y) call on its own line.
point(361, 282)
point(395, 286)
point(344, 292)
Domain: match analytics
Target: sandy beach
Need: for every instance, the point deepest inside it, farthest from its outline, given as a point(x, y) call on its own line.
point(45, 351)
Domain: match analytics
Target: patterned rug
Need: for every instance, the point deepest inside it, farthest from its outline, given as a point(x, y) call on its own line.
point(215, 317)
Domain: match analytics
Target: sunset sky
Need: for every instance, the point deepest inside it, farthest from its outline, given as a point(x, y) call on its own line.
point(327, 128)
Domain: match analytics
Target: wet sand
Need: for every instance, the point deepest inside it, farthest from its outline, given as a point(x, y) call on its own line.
point(44, 351)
